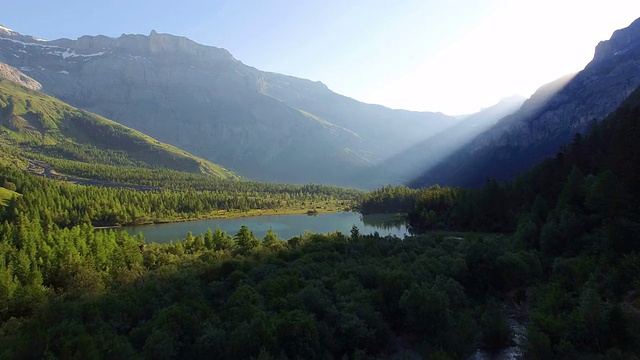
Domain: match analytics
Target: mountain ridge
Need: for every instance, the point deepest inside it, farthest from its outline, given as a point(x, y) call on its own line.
point(201, 99)
point(550, 118)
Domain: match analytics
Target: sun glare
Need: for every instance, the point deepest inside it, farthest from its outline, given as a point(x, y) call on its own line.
point(513, 51)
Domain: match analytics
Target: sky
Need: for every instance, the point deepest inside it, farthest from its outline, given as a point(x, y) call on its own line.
point(452, 56)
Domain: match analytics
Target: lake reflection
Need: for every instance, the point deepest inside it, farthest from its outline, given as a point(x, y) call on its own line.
point(286, 226)
point(386, 222)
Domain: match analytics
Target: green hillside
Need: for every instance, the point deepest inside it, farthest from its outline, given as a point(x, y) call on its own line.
point(6, 195)
point(41, 126)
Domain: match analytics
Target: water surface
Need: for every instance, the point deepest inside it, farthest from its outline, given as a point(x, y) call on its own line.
point(285, 226)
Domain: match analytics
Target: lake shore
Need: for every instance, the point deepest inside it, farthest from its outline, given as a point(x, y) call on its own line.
point(230, 214)
point(285, 226)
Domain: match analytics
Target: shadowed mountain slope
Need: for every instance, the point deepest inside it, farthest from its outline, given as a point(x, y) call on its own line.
point(550, 118)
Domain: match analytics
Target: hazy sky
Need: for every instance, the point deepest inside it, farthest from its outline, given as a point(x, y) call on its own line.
point(454, 56)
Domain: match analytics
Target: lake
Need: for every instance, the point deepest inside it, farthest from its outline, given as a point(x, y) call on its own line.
point(286, 226)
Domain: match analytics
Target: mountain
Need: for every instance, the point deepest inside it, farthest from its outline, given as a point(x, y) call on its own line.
point(39, 125)
point(265, 126)
point(549, 119)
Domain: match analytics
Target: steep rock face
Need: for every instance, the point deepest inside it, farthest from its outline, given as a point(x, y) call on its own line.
point(262, 125)
point(13, 74)
point(513, 129)
point(550, 118)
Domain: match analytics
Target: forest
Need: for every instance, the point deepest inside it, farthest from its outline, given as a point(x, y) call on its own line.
point(579, 212)
point(65, 204)
point(556, 247)
point(314, 296)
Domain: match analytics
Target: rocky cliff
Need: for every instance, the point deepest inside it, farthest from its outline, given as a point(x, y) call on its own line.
point(262, 125)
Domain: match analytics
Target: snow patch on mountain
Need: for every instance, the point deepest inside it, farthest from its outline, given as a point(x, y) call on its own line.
point(29, 44)
point(55, 50)
point(6, 29)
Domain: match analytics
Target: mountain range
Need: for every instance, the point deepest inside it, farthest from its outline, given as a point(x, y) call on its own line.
point(262, 125)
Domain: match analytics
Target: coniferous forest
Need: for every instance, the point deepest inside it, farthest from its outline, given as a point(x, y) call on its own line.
point(579, 213)
point(556, 248)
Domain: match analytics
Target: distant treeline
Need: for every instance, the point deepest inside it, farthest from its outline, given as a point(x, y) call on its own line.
point(66, 204)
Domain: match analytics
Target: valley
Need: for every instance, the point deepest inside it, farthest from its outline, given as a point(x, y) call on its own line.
point(161, 199)
point(264, 126)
